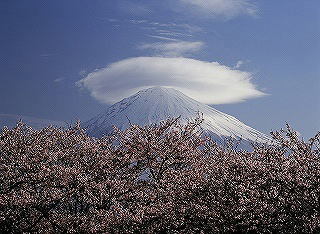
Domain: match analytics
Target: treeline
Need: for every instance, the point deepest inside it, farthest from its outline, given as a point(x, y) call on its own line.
point(163, 178)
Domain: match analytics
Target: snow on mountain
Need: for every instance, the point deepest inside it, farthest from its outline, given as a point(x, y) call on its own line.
point(11, 120)
point(155, 104)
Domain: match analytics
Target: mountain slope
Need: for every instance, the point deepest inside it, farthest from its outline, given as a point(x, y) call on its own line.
point(158, 103)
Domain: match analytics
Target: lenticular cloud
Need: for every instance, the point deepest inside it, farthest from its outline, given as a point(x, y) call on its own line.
point(207, 82)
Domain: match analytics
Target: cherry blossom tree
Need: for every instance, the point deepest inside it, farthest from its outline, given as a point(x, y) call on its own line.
point(161, 178)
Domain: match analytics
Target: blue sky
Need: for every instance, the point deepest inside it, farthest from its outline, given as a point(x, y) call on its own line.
point(271, 49)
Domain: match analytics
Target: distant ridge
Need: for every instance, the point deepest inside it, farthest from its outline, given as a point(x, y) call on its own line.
point(11, 120)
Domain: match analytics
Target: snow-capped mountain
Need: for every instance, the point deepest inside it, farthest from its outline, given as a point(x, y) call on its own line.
point(155, 104)
point(11, 120)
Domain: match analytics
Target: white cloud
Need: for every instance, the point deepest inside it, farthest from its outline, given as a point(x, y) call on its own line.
point(225, 8)
point(58, 79)
point(207, 82)
point(166, 31)
point(134, 21)
point(173, 49)
point(239, 64)
point(174, 34)
point(163, 38)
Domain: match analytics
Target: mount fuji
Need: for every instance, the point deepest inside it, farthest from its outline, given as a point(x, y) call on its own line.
point(155, 104)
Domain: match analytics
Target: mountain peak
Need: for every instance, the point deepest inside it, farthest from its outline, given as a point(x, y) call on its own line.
point(155, 104)
point(160, 91)
point(157, 89)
